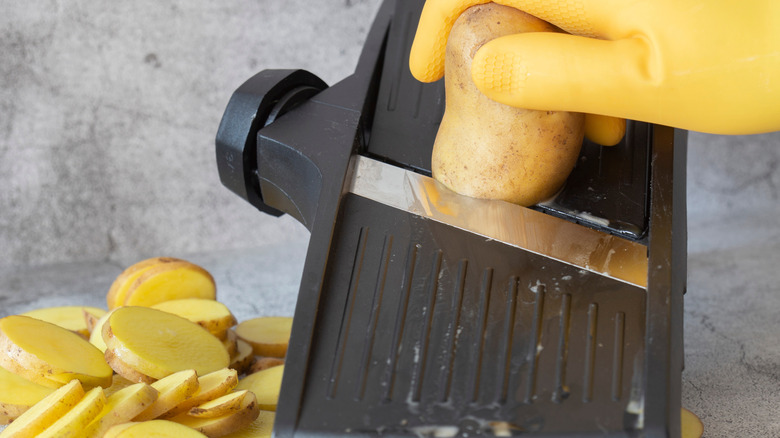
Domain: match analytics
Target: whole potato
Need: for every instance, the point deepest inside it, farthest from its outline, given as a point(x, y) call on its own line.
point(486, 149)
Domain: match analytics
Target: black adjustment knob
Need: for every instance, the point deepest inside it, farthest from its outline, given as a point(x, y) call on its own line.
point(256, 103)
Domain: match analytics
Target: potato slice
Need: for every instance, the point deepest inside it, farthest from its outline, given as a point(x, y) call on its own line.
point(220, 406)
point(91, 318)
point(154, 428)
point(17, 395)
point(172, 390)
point(266, 385)
point(210, 386)
point(118, 383)
point(264, 363)
point(267, 335)
point(73, 423)
point(158, 344)
point(262, 427)
point(207, 313)
point(118, 292)
point(44, 413)
point(230, 343)
point(67, 317)
point(50, 355)
point(170, 281)
point(233, 421)
point(126, 371)
point(690, 425)
point(96, 336)
point(244, 358)
point(120, 408)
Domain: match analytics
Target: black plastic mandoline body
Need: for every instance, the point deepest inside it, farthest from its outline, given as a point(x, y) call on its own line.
point(407, 325)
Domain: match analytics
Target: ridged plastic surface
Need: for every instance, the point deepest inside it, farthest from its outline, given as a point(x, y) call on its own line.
point(427, 325)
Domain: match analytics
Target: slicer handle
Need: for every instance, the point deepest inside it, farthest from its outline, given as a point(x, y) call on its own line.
point(257, 103)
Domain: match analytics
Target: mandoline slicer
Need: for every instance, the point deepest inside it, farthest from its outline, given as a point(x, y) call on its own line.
point(424, 313)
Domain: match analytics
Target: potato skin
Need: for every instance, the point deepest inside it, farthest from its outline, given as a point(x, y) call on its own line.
point(486, 149)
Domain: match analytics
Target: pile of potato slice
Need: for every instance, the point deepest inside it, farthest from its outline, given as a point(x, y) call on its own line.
point(164, 356)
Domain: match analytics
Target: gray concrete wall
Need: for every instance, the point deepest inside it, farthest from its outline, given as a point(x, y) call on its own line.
point(108, 112)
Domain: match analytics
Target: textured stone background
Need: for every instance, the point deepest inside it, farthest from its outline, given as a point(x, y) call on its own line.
point(108, 112)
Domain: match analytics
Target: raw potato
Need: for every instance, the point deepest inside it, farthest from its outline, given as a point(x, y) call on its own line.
point(118, 383)
point(170, 281)
point(120, 408)
point(210, 386)
point(209, 314)
point(96, 336)
point(690, 425)
point(264, 363)
point(230, 343)
point(17, 395)
point(50, 355)
point(154, 428)
point(486, 149)
point(166, 343)
point(91, 318)
point(73, 423)
point(262, 427)
point(172, 391)
point(244, 358)
point(126, 371)
point(266, 386)
point(220, 405)
point(268, 335)
point(44, 413)
point(231, 422)
point(67, 317)
point(118, 291)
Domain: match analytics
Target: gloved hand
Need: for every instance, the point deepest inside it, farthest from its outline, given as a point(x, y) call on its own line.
point(711, 66)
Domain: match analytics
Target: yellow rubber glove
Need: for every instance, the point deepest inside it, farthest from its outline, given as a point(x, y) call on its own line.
point(703, 65)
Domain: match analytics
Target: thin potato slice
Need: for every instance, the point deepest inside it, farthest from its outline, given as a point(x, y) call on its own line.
point(262, 427)
point(244, 358)
point(264, 363)
point(690, 425)
point(170, 281)
point(268, 335)
point(91, 317)
point(44, 413)
point(235, 420)
point(266, 386)
point(207, 313)
point(172, 390)
point(118, 383)
point(17, 395)
point(67, 317)
point(220, 406)
point(120, 408)
point(126, 371)
point(158, 344)
point(118, 290)
point(96, 336)
point(230, 343)
point(73, 423)
point(50, 355)
point(210, 386)
point(154, 428)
